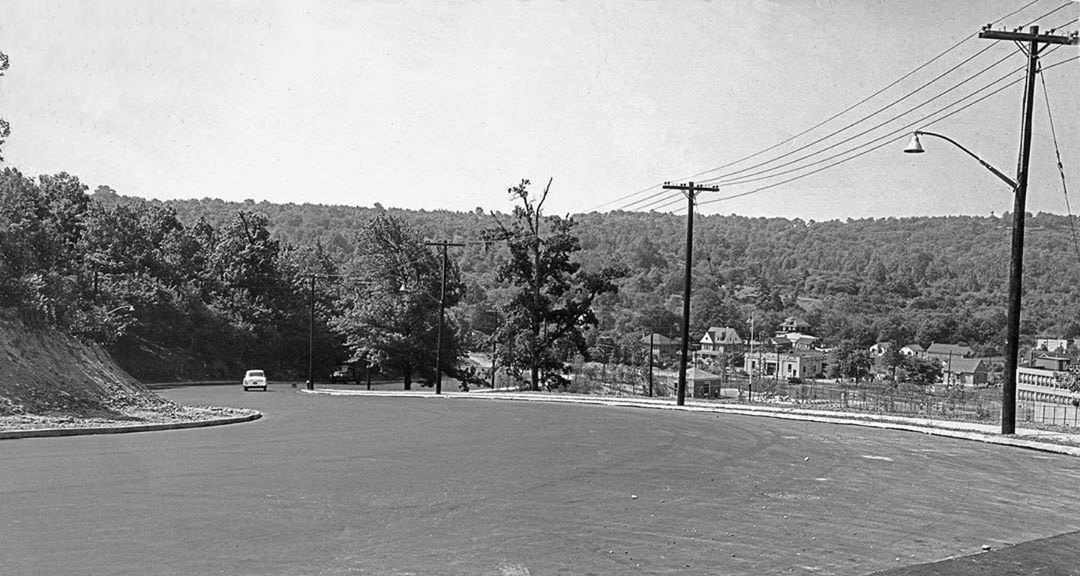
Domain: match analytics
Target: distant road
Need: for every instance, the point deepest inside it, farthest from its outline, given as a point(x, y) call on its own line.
point(342, 485)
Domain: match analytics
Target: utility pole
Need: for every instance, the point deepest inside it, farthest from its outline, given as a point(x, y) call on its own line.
point(652, 335)
point(442, 310)
point(1012, 338)
point(691, 190)
point(311, 330)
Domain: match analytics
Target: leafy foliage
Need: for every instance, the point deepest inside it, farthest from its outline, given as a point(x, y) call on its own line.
point(389, 304)
point(551, 305)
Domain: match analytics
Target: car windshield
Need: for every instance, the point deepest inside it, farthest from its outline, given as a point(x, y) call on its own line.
point(256, 373)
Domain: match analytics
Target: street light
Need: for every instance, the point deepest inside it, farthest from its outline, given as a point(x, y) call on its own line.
point(915, 147)
point(1012, 336)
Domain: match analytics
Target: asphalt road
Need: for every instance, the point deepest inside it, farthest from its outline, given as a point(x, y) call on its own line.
point(359, 485)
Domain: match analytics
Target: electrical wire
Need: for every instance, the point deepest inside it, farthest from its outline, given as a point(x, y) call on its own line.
point(747, 178)
point(1060, 166)
point(762, 188)
point(834, 116)
point(864, 118)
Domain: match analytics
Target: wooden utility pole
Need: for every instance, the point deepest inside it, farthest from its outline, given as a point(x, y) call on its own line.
point(651, 336)
point(311, 331)
point(442, 310)
point(691, 190)
point(1012, 338)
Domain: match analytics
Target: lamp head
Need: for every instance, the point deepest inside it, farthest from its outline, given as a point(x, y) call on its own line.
point(914, 147)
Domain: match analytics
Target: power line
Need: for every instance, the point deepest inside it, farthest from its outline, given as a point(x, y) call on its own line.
point(902, 136)
point(830, 118)
point(1060, 166)
point(851, 124)
point(769, 172)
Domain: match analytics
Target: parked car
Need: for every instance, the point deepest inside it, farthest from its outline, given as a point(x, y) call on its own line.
point(345, 373)
point(254, 379)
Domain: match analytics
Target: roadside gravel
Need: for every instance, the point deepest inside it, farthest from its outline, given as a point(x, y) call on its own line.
point(169, 414)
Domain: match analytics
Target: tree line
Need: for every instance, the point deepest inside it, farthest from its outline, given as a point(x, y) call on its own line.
point(208, 287)
point(198, 297)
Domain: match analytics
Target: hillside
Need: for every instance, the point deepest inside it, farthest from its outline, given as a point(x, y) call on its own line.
point(49, 373)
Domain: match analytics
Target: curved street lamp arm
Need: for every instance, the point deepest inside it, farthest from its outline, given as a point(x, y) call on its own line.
point(1012, 183)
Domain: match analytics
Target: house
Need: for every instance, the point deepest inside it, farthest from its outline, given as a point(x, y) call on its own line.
point(1049, 362)
point(913, 350)
point(792, 324)
point(661, 344)
point(947, 352)
point(880, 348)
point(1052, 344)
point(793, 364)
point(967, 372)
point(722, 340)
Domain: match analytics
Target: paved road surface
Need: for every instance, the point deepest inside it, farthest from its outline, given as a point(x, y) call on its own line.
point(326, 485)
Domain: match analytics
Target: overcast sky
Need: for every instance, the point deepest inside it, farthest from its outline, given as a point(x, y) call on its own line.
point(446, 104)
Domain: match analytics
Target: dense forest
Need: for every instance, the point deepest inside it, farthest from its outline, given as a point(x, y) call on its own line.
point(204, 288)
point(922, 280)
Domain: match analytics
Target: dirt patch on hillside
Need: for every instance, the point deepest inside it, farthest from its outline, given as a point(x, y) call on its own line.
point(54, 380)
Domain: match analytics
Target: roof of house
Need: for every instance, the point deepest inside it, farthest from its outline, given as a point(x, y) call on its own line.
point(659, 340)
point(805, 341)
point(915, 348)
point(725, 334)
point(947, 349)
point(694, 373)
point(965, 365)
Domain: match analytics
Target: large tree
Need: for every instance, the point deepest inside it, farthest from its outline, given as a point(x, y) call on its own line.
point(390, 301)
point(551, 304)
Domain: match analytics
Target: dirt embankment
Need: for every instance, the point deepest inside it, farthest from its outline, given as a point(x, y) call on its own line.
point(51, 379)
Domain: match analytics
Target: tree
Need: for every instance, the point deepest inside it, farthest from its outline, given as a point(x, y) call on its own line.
point(390, 312)
point(850, 360)
point(551, 304)
point(5, 128)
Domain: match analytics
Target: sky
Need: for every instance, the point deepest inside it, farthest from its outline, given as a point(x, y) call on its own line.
point(445, 105)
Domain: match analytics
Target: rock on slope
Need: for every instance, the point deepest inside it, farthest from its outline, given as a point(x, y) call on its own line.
point(49, 373)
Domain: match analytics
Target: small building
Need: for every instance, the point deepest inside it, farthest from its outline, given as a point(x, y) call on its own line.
point(702, 384)
point(879, 349)
point(792, 364)
point(967, 372)
point(1050, 362)
point(913, 350)
point(661, 344)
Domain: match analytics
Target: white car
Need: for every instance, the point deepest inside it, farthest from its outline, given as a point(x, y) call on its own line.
point(254, 379)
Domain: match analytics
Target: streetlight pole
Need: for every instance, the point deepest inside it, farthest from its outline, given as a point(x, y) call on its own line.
point(1019, 186)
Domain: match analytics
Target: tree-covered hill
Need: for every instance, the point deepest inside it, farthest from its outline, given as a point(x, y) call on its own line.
point(921, 279)
point(207, 287)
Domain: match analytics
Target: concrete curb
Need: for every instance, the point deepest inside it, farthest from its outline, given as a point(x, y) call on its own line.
point(56, 432)
point(960, 430)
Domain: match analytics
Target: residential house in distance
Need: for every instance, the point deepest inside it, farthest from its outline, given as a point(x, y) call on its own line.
point(661, 345)
point(947, 352)
point(879, 349)
point(792, 324)
point(722, 340)
point(913, 350)
point(967, 372)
